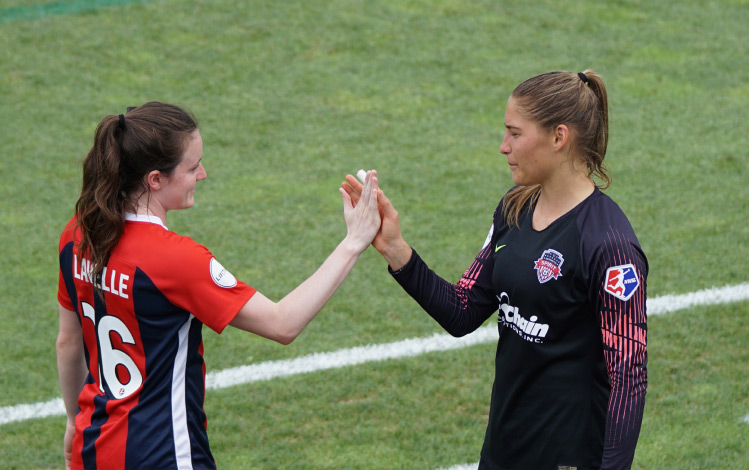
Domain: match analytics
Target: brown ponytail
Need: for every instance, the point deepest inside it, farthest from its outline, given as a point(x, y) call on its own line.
point(126, 148)
point(577, 100)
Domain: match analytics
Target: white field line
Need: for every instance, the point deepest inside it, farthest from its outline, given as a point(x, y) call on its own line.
point(378, 352)
point(716, 295)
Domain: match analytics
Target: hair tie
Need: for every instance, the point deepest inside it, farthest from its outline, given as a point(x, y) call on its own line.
point(121, 124)
point(583, 77)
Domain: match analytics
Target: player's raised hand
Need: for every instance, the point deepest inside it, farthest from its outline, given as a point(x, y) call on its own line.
point(388, 241)
point(362, 216)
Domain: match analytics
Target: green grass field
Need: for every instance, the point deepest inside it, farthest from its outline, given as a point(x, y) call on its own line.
point(293, 95)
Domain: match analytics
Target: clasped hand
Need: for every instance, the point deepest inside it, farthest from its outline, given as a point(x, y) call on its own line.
point(388, 239)
point(361, 212)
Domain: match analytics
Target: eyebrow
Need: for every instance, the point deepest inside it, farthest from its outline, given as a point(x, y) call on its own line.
point(510, 126)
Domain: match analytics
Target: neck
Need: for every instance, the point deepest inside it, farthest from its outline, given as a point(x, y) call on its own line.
point(566, 194)
point(144, 205)
point(559, 197)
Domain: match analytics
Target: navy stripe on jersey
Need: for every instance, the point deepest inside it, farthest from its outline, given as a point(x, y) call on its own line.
point(154, 446)
point(66, 259)
point(98, 418)
point(194, 395)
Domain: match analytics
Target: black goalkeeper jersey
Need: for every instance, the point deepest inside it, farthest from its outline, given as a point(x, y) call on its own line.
point(569, 389)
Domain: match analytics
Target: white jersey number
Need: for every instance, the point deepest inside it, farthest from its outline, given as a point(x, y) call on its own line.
point(110, 358)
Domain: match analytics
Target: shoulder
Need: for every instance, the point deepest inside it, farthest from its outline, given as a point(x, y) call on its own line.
point(606, 234)
point(600, 216)
point(159, 237)
point(68, 233)
point(498, 222)
point(170, 260)
point(153, 247)
point(499, 216)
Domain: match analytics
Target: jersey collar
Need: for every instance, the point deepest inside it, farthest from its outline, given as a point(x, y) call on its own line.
point(144, 218)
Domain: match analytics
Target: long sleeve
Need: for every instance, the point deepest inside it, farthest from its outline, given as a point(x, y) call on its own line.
point(621, 296)
point(459, 308)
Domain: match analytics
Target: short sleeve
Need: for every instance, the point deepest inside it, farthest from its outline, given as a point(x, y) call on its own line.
point(65, 281)
point(194, 280)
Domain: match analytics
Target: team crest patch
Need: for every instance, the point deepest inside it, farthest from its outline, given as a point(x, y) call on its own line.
point(221, 276)
point(549, 265)
point(622, 281)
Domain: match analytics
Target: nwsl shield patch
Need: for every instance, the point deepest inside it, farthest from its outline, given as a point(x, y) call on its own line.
point(622, 281)
point(549, 265)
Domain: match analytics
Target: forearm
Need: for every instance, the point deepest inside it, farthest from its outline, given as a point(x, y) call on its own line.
point(72, 372)
point(459, 308)
point(623, 422)
point(283, 321)
point(301, 305)
point(396, 253)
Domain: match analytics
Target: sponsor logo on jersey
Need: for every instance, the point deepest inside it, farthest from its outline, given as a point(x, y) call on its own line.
point(622, 281)
point(221, 276)
point(549, 265)
point(528, 329)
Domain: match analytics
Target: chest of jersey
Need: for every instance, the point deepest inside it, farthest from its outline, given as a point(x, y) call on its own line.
point(537, 280)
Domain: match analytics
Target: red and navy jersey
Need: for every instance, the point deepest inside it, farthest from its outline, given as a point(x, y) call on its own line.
point(142, 404)
point(570, 370)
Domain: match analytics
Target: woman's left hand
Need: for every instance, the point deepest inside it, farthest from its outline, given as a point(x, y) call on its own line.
point(67, 445)
point(362, 221)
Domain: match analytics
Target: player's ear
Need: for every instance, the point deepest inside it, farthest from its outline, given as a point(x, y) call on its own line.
point(560, 136)
point(155, 180)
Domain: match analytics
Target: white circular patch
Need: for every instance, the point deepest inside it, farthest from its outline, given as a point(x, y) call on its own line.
point(221, 276)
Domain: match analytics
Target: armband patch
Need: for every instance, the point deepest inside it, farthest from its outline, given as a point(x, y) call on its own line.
point(221, 276)
point(622, 281)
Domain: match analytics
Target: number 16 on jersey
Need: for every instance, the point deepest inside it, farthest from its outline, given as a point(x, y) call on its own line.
point(110, 358)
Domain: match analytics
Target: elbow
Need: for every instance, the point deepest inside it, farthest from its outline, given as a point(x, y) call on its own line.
point(285, 336)
point(285, 339)
point(455, 329)
point(68, 344)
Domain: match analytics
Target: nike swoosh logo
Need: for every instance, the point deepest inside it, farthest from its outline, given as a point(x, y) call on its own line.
point(499, 247)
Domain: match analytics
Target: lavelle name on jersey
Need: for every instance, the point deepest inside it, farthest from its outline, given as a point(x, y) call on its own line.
point(528, 329)
point(112, 281)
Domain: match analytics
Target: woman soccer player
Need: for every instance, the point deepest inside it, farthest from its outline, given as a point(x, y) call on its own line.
point(564, 270)
point(134, 297)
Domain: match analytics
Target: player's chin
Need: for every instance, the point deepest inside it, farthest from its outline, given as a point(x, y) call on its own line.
point(518, 179)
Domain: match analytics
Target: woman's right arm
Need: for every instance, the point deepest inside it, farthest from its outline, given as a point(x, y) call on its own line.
point(283, 321)
point(459, 308)
point(72, 371)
